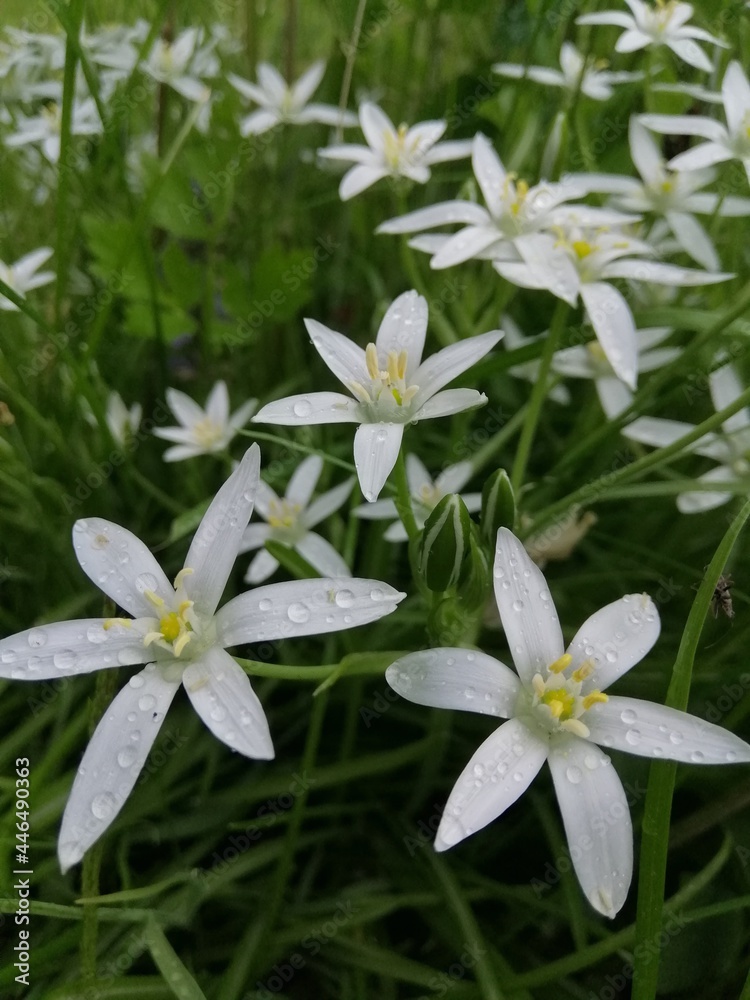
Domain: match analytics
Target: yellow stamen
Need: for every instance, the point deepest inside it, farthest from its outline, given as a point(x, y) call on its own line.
point(538, 684)
point(158, 602)
point(576, 727)
point(180, 578)
point(585, 670)
point(595, 698)
point(560, 664)
point(560, 702)
point(181, 642)
point(371, 356)
point(111, 622)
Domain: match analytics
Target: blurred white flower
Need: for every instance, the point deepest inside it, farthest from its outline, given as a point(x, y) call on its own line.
point(558, 712)
point(44, 128)
point(203, 432)
point(22, 276)
point(172, 63)
point(595, 81)
point(390, 387)
point(726, 142)
point(122, 422)
point(653, 26)
point(730, 448)
point(392, 152)
point(283, 103)
point(289, 520)
point(674, 195)
point(425, 494)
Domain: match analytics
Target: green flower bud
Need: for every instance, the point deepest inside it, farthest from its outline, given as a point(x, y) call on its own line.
point(498, 507)
point(444, 543)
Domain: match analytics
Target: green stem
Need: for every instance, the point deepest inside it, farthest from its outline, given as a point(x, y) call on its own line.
point(355, 664)
point(403, 498)
point(658, 805)
point(351, 55)
point(538, 395)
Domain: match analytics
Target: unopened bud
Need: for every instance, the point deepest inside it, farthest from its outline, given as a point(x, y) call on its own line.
point(498, 507)
point(444, 543)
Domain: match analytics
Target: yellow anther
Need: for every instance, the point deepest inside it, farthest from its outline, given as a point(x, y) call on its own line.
point(180, 578)
point(560, 664)
point(111, 622)
point(585, 670)
point(595, 698)
point(184, 605)
point(158, 602)
point(181, 642)
point(596, 351)
point(360, 392)
point(371, 356)
point(582, 248)
point(151, 637)
point(403, 359)
point(556, 708)
point(392, 366)
point(410, 394)
point(576, 727)
point(522, 189)
point(538, 684)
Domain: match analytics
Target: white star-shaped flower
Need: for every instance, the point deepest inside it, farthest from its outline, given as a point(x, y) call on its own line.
point(726, 142)
point(203, 432)
point(731, 449)
point(177, 631)
point(172, 63)
point(389, 386)
point(513, 210)
point(595, 81)
point(289, 104)
point(122, 422)
point(672, 194)
point(650, 26)
point(582, 262)
point(392, 152)
point(44, 128)
point(24, 275)
point(425, 493)
point(558, 712)
point(290, 520)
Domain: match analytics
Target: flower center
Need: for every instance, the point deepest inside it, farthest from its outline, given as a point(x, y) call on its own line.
point(558, 703)
point(175, 628)
point(395, 149)
point(582, 248)
point(283, 514)
point(387, 384)
point(207, 433)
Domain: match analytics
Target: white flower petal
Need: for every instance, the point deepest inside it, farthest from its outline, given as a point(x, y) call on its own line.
point(662, 274)
point(417, 475)
point(217, 404)
point(614, 326)
point(184, 408)
point(725, 387)
point(376, 448)
point(378, 510)
point(696, 503)
point(376, 125)
point(499, 773)
point(310, 408)
point(308, 83)
point(694, 239)
point(450, 401)
point(527, 612)
point(112, 762)
point(63, 649)
point(358, 179)
point(181, 452)
point(614, 639)
point(445, 152)
point(445, 365)
point(447, 212)
point(465, 244)
point(224, 699)
point(321, 555)
point(735, 90)
point(489, 172)
point(597, 821)
point(249, 90)
point(686, 125)
point(632, 40)
point(261, 567)
point(705, 155)
point(255, 537)
point(258, 122)
point(650, 730)
point(345, 358)
point(120, 565)
point(303, 607)
point(327, 503)
point(614, 396)
point(304, 479)
point(690, 52)
point(646, 155)
point(272, 82)
point(242, 414)
point(613, 17)
point(326, 114)
point(455, 477)
point(462, 679)
point(217, 541)
point(403, 328)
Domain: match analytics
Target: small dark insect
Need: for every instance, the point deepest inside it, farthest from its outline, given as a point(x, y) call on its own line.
point(722, 599)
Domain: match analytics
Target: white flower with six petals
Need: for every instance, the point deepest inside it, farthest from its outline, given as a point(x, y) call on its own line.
point(203, 432)
point(22, 276)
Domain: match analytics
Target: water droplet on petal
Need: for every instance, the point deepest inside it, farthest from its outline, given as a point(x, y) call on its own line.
point(633, 737)
point(137, 681)
point(265, 604)
point(628, 716)
point(96, 634)
point(146, 702)
point(574, 775)
point(103, 805)
point(470, 693)
point(36, 638)
point(8, 656)
point(127, 756)
point(65, 659)
point(697, 757)
point(344, 598)
point(144, 582)
point(298, 613)
point(518, 605)
point(302, 408)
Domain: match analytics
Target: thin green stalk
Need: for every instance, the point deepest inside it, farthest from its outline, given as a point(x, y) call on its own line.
point(65, 166)
point(351, 55)
point(538, 395)
point(658, 805)
point(486, 978)
point(286, 861)
point(403, 498)
point(355, 664)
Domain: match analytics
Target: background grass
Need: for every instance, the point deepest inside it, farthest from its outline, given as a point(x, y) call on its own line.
point(313, 875)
